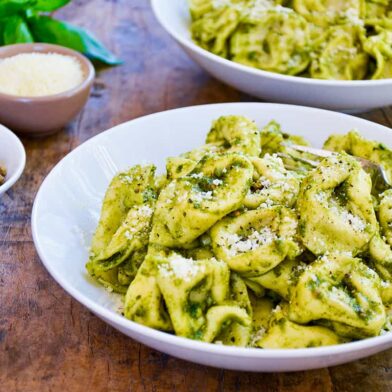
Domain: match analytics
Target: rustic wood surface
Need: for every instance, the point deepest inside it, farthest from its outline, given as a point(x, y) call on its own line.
point(48, 341)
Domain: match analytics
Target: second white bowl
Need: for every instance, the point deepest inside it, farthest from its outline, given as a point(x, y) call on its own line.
point(346, 96)
point(12, 156)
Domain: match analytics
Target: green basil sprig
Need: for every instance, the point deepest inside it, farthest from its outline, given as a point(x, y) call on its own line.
point(29, 21)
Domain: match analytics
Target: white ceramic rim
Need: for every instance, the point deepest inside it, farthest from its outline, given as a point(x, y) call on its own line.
point(208, 348)
point(21, 153)
point(258, 72)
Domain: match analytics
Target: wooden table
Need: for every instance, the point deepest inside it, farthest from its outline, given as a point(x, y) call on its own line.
point(48, 341)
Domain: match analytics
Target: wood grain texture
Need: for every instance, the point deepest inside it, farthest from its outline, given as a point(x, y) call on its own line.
point(48, 342)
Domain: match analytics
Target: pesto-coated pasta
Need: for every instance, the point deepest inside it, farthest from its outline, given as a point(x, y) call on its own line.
point(124, 226)
point(242, 242)
point(340, 289)
point(354, 144)
point(284, 333)
point(272, 183)
point(275, 41)
point(236, 134)
point(328, 12)
point(190, 205)
point(320, 39)
point(256, 241)
point(336, 208)
point(379, 46)
point(339, 54)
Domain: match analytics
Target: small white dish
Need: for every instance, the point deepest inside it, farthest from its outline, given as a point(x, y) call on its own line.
point(12, 156)
point(346, 96)
point(67, 207)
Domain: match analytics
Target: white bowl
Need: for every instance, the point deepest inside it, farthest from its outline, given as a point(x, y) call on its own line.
point(347, 96)
point(12, 156)
point(67, 206)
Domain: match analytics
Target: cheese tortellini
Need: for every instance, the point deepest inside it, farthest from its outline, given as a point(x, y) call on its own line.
point(256, 241)
point(321, 39)
point(243, 242)
point(340, 290)
point(354, 144)
point(191, 204)
point(379, 46)
point(339, 54)
point(335, 207)
point(274, 41)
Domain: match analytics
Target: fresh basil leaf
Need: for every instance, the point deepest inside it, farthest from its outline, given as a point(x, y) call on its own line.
point(13, 7)
point(16, 31)
point(46, 29)
point(1, 32)
point(50, 5)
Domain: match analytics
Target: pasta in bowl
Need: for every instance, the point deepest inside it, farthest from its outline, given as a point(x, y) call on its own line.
point(195, 258)
point(232, 262)
point(338, 40)
point(329, 54)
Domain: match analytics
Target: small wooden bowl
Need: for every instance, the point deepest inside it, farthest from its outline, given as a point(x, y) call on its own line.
point(38, 116)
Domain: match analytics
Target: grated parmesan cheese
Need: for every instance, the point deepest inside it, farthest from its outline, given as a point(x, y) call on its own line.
point(265, 182)
point(126, 179)
point(179, 267)
point(353, 16)
point(320, 197)
point(145, 211)
point(255, 337)
point(39, 74)
point(268, 203)
point(237, 244)
point(198, 197)
point(197, 175)
point(353, 220)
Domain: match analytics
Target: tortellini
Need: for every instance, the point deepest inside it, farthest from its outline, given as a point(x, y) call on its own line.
point(256, 241)
point(321, 39)
point(198, 8)
point(144, 300)
point(130, 237)
point(353, 143)
point(237, 134)
point(126, 190)
point(177, 167)
point(124, 227)
point(339, 54)
point(335, 207)
point(214, 29)
point(284, 333)
point(385, 215)
point(327, 12)
point(272, 184)
point(276, 143)
point(380, 248)
point(190, 205)
point(381, 255)
point(274, 140)
point(198, 296)
point(379, 46)
point(343, 290)
point(246, 242)
point(280, 279)
point(274, 41)
point(375, 9)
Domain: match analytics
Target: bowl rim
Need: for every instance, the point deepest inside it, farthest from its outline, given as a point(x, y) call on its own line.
point(119, 321)
point(21, 153)
point(188, 43)
point(38, 47)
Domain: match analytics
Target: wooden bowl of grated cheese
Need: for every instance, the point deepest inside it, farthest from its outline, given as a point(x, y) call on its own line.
point(42, 87)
